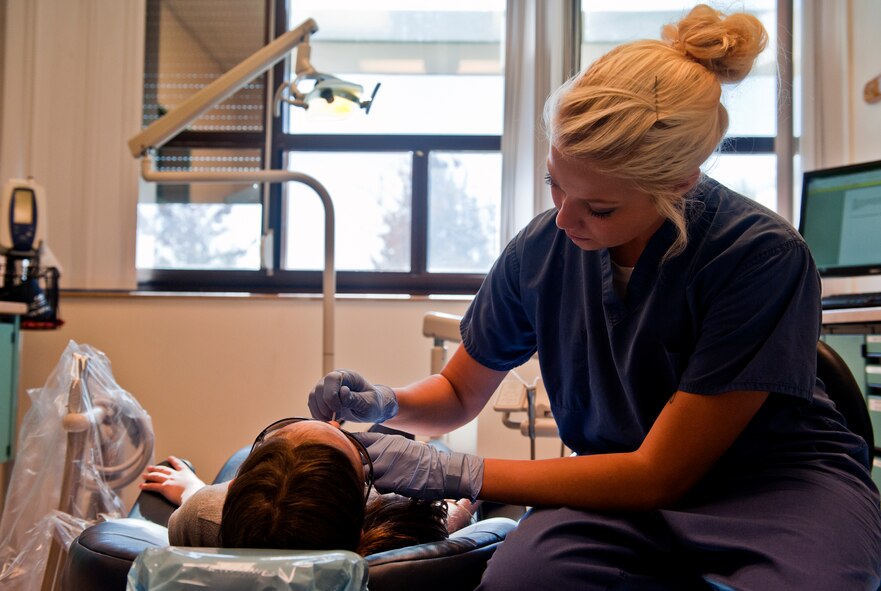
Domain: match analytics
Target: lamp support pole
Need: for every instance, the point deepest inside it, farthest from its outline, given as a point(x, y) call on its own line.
point(274, 176)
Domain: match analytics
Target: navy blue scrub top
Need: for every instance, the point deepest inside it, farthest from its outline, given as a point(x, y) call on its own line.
point(739, 309)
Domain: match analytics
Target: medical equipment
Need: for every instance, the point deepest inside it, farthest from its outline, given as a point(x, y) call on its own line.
point(22, 206)
point(83, 440)
point(174, 121)
point(22, 243)
point(329, 96)
point(514, 394)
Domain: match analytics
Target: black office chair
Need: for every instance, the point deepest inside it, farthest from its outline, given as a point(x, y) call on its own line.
point(844, 391)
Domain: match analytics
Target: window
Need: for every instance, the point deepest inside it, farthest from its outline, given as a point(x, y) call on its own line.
point(202, 226)
point(746, 162)
point(416, 184)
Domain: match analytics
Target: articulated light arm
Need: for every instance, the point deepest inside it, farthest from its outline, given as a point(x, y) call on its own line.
point(176, 120)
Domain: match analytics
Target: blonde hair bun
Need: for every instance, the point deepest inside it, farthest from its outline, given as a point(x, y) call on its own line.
point(725, 45)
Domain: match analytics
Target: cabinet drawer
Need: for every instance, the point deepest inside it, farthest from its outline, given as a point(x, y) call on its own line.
point(873, 345)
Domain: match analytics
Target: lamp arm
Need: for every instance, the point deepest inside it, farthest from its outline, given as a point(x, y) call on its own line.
point(275, 176)
point(284, 94)
point(173, 122)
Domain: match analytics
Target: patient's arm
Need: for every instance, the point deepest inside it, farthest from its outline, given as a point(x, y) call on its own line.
point(176, 482)
point(197, 521)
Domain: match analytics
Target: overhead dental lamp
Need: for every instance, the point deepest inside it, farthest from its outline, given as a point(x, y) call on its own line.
point(328, 96)
point(327, 89)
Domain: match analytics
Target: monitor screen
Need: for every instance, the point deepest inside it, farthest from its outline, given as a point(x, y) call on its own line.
point(841, 219)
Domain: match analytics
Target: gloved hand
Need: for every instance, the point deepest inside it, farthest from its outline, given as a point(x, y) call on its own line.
point(420, 470)
point(344, 395)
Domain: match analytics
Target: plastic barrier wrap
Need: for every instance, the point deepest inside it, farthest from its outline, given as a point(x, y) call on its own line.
point(176, 569)
point(83, 439)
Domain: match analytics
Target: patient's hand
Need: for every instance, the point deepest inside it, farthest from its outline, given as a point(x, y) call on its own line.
point(176, 483)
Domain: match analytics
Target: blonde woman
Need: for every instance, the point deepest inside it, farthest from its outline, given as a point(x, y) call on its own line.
point(676, 325)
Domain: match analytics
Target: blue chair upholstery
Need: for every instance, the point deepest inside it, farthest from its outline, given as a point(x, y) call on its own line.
point(99, 559)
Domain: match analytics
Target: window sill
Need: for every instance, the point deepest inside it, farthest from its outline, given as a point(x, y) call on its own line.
point(114, 293)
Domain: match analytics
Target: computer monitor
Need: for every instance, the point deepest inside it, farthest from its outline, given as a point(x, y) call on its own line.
point(841, 219)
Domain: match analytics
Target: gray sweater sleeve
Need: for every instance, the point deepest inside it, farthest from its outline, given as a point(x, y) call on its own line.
point(196, 523)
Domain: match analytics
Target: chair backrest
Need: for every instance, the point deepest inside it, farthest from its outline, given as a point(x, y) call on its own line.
point(844, 391)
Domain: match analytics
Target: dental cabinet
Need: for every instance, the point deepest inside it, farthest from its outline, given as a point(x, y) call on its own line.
point(10, 345)
point(855, 334)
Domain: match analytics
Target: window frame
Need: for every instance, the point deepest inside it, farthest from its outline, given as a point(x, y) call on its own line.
point(417, 281)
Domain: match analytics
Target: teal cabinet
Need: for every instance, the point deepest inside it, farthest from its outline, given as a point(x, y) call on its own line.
point(10, 338)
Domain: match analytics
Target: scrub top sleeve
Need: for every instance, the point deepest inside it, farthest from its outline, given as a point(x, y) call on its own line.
point(496, 330)
point(758, 327)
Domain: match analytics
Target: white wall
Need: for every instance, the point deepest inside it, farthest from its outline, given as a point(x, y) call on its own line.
point(856, 129)
point(865, 65)
point(71, 97)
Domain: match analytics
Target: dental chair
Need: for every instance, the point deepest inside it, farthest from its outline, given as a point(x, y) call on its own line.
point(99, 559)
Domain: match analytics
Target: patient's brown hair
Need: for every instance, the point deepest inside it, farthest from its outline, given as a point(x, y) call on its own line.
point(304, 497)
point(310, 497)
point(395, 521)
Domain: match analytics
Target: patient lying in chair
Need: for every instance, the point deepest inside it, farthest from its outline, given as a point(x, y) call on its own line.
point(301, 487)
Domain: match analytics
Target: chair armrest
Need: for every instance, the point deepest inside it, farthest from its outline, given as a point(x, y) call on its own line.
point(456, 563)
point(100, 557)
point(152, 506)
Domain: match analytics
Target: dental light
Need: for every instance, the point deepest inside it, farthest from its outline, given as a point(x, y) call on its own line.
point(327, 89)
point(329, 97)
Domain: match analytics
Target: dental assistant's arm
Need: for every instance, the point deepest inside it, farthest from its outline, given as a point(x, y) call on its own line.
point(446, 401)
point(689, 436)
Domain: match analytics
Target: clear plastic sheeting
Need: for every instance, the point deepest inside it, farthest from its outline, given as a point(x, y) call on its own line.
point(83, 439)
point(174, 568)
point(25, 570)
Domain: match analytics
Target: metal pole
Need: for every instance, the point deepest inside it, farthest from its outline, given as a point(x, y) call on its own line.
point(784, 143)
point(274, 176)
point(70, 479)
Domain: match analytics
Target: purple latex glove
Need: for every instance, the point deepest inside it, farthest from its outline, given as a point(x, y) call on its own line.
point(420, 470)
point(343, 395)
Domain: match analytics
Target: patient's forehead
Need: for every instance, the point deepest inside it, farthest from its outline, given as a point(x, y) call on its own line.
point(320, 432)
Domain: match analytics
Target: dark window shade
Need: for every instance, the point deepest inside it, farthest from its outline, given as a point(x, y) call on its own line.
point(207, 160)
point(189, 44)
point(180, 159)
